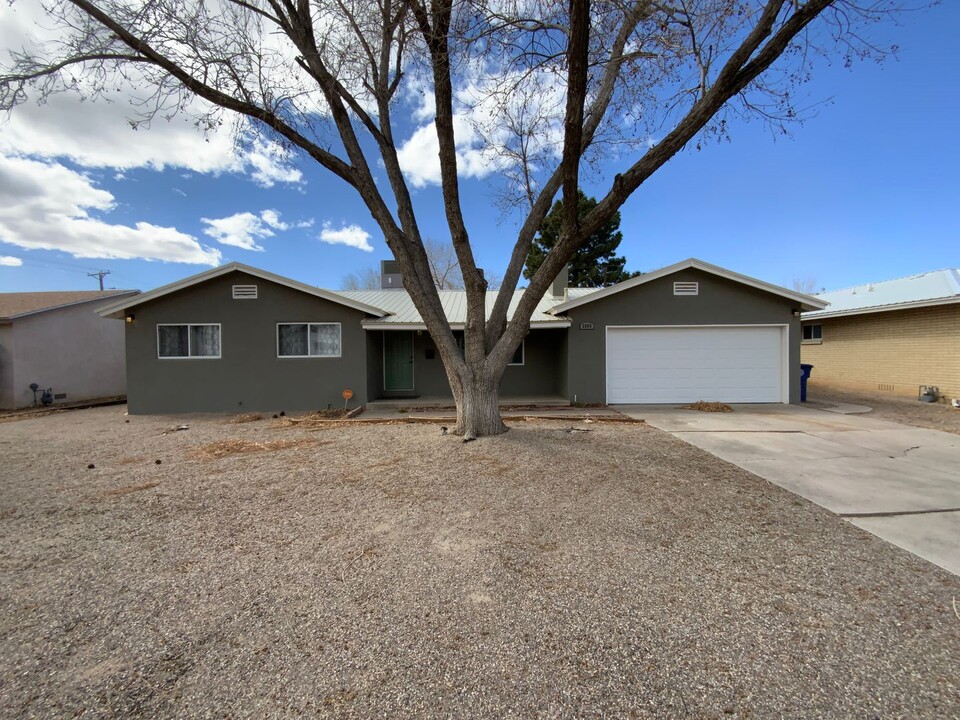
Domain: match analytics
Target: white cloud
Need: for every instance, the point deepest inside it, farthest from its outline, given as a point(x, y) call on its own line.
point(486, 121)
point(10, 261)
point(47, 206)
point(351, 235)
point(98, 133)
point(420, 155)
point(243, 229)
point(272, 218)
point(271, 164)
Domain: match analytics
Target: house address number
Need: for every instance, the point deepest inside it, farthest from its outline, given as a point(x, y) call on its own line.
point(586, 326)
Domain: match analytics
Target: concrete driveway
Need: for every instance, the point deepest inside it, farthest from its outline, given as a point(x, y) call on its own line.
point(898, 482)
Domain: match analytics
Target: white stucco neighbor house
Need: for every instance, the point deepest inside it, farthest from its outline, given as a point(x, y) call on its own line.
point(57, 341)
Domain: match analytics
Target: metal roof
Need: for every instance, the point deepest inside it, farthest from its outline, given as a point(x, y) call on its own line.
point(13, 305)
point(402, 311)
point(939, 287)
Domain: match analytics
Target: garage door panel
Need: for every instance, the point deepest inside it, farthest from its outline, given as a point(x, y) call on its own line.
point(666, 365)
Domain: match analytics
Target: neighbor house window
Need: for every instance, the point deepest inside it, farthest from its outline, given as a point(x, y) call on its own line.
point(812, 333)
point(518, 355)
point(308, 340)
point(188, 341)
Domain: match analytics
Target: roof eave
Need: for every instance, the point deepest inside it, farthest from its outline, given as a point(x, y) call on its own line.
point(118, 310)
point(379, 325)
point(816, 315)
point(28, 313)
point(806, 302)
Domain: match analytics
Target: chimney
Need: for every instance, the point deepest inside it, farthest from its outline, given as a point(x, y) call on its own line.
point(390, 275)
point(559, 287)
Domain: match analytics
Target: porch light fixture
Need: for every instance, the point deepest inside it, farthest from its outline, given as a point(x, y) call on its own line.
point(129, 318)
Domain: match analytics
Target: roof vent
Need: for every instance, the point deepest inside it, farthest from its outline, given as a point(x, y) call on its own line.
point(244, 292)
point(686, 288)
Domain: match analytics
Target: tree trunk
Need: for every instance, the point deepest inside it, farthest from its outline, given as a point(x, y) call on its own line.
point(478, 408)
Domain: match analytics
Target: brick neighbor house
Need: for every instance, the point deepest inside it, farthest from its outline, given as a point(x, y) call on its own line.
point(888, 337)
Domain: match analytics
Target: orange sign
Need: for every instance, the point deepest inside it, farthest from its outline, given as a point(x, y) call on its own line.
point(347, 394)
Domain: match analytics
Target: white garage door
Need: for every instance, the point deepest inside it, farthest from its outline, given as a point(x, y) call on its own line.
point(686, 364)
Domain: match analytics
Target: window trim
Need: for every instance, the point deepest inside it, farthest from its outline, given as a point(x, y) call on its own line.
point(189, 356)
point(309, 357)
point(812, 340)
point(523, 355)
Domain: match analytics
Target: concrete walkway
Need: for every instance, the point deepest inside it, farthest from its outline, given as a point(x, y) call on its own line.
point(898, 482)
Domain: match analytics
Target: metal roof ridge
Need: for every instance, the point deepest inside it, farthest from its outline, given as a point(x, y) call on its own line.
point(952, 273)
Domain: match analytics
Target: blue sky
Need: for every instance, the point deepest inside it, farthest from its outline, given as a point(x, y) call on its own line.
point(865, 190)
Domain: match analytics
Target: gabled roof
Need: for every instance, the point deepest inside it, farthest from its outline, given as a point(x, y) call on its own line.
point(939, 287)
point(404, 315)
point(805, 302)
point(116, 310)
point(17, 305)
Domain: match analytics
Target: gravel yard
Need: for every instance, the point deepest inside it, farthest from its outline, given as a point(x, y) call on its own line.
point(388, 571)
point(934, 416)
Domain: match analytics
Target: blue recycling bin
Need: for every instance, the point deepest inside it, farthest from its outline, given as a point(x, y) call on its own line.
point(805, 369)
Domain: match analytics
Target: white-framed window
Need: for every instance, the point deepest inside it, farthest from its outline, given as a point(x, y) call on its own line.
point(812, 333)
point(302, 340)
point(518, 355)
point(188, 340)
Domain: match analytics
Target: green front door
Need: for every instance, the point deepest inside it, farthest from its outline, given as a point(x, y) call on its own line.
point(398, 360)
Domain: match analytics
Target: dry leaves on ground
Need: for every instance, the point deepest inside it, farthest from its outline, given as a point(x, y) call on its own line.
point(704, 406)
point(223, 448)
point(245, 418)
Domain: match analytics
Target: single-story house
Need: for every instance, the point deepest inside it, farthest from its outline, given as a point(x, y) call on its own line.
point(58, 341)
point(888, 337)
point(236, 338)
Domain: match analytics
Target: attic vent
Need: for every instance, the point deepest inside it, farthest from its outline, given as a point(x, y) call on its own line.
point(244, 292)
point(686, 288)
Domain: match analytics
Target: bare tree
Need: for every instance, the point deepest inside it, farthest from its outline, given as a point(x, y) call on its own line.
point(366, 279)
point(444, 269)
point(807, 285)
point(444, 265)
point(550, 86)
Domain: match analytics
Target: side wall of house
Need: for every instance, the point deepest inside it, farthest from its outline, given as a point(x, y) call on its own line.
point(719, 302)
point(248, 376)
point(6, 366)
point(889, 352)
point(72, 351)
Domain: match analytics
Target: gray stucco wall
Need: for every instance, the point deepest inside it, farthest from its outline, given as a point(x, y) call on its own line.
point(248, 376)
point(719, 302)
point(541, 374)
point(6, 366)
point(72, 350)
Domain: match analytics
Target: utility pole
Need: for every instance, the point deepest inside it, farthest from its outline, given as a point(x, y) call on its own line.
point(99, 275)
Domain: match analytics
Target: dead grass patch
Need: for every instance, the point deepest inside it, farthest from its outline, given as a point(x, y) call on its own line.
point(245, 418)
point(225, 448)
point(127, 489)
point(704, 406)
point(493, 466)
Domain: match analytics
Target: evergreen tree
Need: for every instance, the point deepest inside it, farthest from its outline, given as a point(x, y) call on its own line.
point(595, 264)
